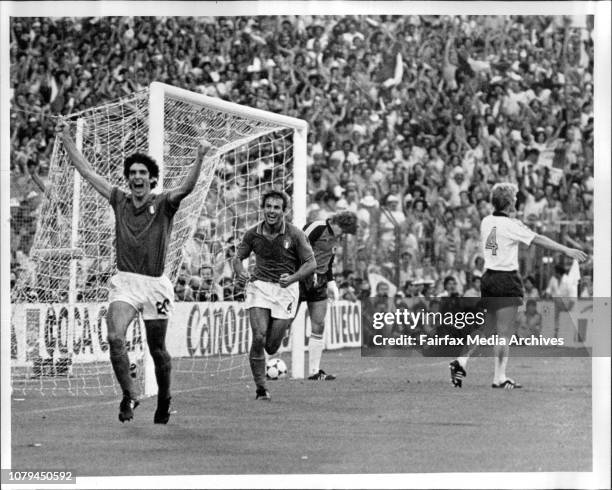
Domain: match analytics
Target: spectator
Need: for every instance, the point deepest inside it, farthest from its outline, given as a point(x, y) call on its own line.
point(529, 321)
point(530, 290)
point(474, 290)
point(450, 288)
point(391, 219)
point(204, 287)
point(438, 108)
point(182, 291)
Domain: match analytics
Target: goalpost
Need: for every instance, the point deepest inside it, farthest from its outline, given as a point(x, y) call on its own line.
point(58, 330)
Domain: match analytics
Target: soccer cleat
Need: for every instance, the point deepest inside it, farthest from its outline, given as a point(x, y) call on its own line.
point(162, 414)
point(262, 394)
point(509, 384)
point(322, 376)
point(457, 374)
point(126, 408)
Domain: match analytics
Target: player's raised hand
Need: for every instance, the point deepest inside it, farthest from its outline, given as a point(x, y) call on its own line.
point(285, 279)
point(203, 148)
point(576, 254)
point(61, 127)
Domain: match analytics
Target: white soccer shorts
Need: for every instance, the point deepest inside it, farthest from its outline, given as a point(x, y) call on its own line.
point(153, 297)
point(282, 302)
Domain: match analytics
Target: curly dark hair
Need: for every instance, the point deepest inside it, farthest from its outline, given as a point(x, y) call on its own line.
point(448, 279)
point(346, 220)
point(147, 161)
point(277, 195)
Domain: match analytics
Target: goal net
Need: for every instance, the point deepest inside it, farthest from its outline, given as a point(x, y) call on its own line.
point(58, 328)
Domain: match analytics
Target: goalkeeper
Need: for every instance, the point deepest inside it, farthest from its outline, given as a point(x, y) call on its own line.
point(143, 225)
point(283, 257)
point(315, 290)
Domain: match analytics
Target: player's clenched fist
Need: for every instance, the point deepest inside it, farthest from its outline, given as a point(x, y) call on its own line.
point(285, 280)
point(203, 149)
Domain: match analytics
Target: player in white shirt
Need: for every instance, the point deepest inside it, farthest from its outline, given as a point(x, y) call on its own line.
point(501, 284)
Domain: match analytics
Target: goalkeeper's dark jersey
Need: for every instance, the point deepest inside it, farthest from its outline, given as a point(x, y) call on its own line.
point(142, 234)
point(323, 241)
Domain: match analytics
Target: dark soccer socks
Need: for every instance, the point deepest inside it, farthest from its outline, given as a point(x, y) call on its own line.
point(126, 408)
point(162, 414)
point(262, 394)
point(457, 374)
point(258, 368)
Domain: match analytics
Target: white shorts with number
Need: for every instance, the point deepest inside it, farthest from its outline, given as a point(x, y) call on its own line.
point(282, 302)
point(153, 297)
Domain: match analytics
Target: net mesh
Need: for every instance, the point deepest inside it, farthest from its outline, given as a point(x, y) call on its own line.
point(248, 157)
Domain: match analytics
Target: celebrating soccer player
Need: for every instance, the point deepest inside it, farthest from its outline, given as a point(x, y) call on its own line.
point(315, 290)
point(501, 284)
point(283, 257)
point(143, 224)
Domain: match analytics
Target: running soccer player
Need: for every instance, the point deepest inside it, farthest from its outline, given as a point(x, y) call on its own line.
point(315, 290)
point(143, 224)
point(283, 257)
point(501, 286)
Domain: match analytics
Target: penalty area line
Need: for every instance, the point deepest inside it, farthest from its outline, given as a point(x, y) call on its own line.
point(92, 404)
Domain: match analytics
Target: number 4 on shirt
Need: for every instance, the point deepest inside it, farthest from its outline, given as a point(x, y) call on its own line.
point(491, 242)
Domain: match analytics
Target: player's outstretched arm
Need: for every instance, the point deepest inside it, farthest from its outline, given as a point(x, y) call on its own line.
point(574, 253)
point(85, 168)
point(175, 196)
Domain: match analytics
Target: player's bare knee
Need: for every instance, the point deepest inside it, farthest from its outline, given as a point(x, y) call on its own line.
point(317, 328)
point(116, 344)
point(259, 341)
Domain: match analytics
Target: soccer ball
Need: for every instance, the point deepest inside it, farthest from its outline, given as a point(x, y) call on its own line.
point(275, 369)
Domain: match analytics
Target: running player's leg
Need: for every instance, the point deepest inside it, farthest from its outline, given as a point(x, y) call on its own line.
point(276, 333)
point(156, 340)
point(458, 367)
point(505, 318)
point(120, 315)
point(260, 320)
point(317, 311)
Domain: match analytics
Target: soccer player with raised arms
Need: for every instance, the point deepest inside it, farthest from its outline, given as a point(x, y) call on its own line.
point(143, 225)
point(315, 290)
point(283, 258)
point(501, 286)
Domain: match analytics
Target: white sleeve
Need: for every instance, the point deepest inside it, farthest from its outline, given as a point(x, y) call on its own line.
point(518, 231)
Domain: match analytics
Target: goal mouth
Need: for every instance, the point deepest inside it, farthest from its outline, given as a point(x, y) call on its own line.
point(73, 259)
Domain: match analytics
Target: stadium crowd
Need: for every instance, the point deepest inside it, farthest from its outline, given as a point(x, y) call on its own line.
point(412, 119)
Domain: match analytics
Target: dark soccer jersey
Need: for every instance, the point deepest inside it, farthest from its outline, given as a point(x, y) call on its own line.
point(323, 241)
point(283, 254)
point(142, 233)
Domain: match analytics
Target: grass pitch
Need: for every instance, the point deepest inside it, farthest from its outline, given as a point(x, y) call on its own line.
point(382, 415)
